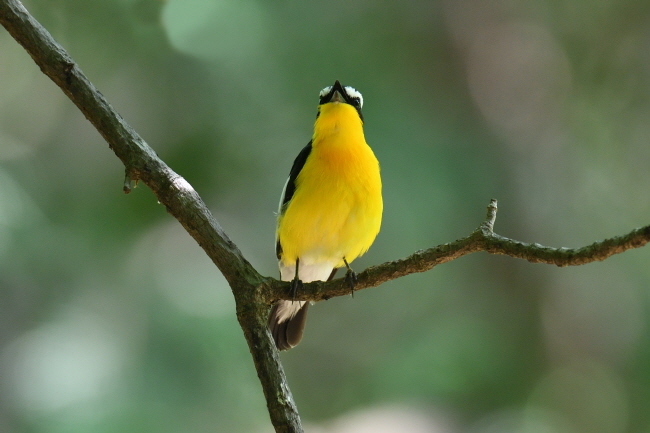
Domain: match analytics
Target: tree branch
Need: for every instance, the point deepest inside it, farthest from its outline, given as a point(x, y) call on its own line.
point(140, 160)
point(178, 196)
point(254, 293)
point(482, 239)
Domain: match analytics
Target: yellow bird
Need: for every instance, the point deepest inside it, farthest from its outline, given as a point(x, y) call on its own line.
point(331, 206)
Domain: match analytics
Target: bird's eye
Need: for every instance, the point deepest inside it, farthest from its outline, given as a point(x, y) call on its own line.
point(355, 96)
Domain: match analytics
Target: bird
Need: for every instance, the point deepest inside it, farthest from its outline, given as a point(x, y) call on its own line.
point(330, 209)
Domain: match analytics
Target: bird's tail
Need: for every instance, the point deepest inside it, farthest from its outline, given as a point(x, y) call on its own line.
point(287, 319)
point(287, 322)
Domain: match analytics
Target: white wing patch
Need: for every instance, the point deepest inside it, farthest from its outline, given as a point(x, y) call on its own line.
point(284, 191)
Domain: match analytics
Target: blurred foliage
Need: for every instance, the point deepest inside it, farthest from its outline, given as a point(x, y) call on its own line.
point(113, 320)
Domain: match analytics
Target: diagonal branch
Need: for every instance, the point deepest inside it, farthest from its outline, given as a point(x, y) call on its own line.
point(140, 160)
point(178, 196)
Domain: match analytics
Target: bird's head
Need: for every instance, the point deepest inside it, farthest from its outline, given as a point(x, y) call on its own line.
point(338, 94)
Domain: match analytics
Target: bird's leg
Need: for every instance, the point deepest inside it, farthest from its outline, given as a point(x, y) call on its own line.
point(296, 283)
point(350, 277)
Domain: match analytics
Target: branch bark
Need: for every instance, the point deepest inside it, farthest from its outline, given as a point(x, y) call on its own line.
point(253, 292)
point(178, 196)
point(482, 239)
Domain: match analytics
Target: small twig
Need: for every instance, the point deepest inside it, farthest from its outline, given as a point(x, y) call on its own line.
point(127, 182)
point(487, 227)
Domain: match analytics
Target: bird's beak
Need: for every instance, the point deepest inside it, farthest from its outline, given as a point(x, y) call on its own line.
point(337, 97)
point(336, 94)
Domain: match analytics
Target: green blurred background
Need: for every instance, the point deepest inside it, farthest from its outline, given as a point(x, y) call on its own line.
point(113, 320)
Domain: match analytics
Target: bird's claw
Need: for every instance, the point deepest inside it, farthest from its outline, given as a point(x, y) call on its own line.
point(351, 279)
point(296, 285)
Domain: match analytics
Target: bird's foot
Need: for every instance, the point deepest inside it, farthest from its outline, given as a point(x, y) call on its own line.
point(351, 279)
point(296, 285)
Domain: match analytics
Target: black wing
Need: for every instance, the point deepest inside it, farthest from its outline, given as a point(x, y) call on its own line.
point(297, 166)
point(290, 189)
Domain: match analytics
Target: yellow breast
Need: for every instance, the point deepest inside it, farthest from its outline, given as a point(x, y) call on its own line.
point(336, 209)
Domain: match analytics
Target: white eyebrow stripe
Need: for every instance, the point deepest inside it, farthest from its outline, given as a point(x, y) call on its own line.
point(325, 91)
point(354, 93)
point(351, 91)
